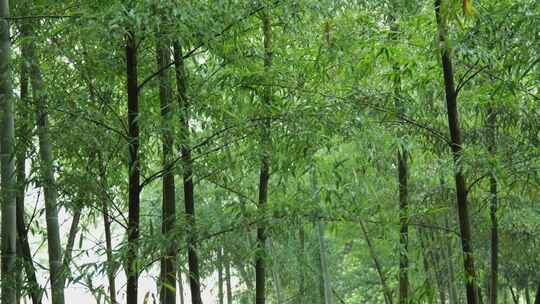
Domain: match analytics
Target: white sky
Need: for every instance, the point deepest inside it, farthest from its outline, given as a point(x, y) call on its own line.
point(80, 294)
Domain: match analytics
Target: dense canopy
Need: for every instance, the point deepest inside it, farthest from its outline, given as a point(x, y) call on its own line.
point(270, 151)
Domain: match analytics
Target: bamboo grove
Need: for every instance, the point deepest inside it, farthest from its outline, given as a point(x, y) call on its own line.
point(270, 151)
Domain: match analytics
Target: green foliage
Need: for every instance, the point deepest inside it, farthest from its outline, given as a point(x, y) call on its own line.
point(352, 82)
